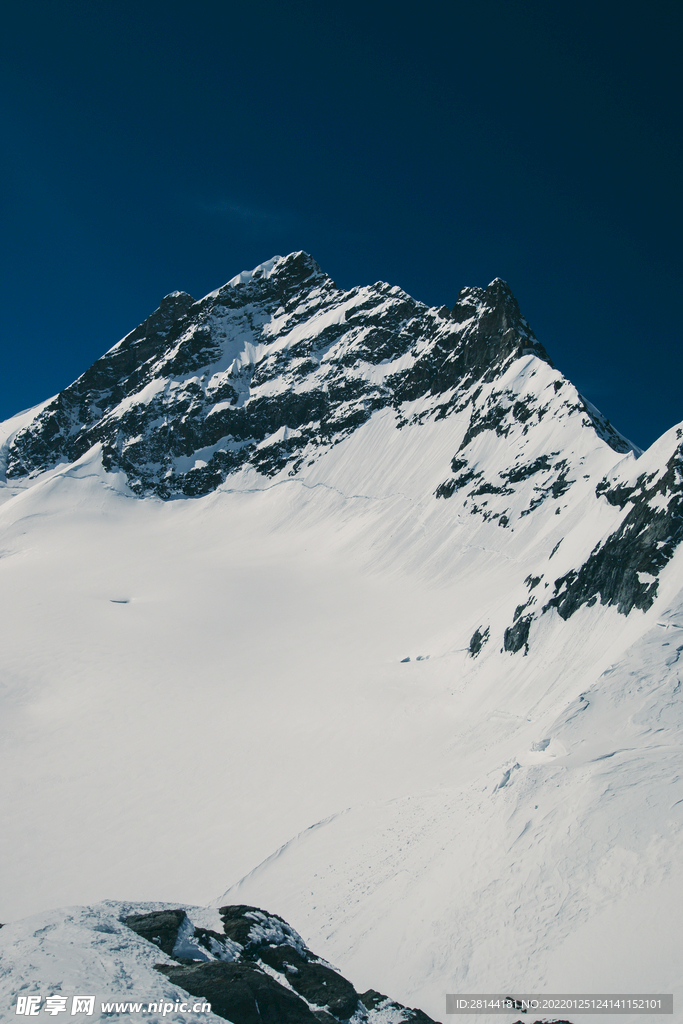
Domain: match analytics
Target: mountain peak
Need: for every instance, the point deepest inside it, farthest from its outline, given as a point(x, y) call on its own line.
point(281, 276)
point(499, 306)
point(273, 369)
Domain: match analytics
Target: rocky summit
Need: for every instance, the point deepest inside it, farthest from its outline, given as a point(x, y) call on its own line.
point(272, 369)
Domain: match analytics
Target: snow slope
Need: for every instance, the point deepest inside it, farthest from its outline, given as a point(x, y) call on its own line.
point(89, 950)
point(208, 699)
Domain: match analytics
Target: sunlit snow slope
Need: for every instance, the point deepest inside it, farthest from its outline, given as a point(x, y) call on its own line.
point(357, 610)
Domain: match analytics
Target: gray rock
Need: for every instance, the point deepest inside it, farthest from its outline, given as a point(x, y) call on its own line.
point(240, 987)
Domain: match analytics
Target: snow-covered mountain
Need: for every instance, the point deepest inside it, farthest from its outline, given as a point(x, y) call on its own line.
point(356, 610)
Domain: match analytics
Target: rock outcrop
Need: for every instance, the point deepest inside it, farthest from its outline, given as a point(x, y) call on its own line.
point(259, 971)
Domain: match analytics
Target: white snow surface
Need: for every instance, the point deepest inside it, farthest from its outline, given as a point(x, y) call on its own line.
point(206, 701)
point(90, 951)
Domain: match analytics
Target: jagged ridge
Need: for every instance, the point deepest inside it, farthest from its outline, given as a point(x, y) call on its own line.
point(270, 370)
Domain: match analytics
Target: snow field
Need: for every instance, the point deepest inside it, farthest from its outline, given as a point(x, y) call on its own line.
point(210, 694)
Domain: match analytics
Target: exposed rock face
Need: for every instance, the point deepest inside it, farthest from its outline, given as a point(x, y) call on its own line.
point(241, 993)
point(623, 570)
point(160, 928)
point(517, 635)
point(477, 641)
point(260, 971)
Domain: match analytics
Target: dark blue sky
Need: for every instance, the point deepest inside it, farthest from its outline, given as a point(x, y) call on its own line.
point(158, 146)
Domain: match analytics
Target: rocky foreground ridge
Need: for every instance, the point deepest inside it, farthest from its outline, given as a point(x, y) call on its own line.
point(252, 967)
point(259, 971)
point(255, 970)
